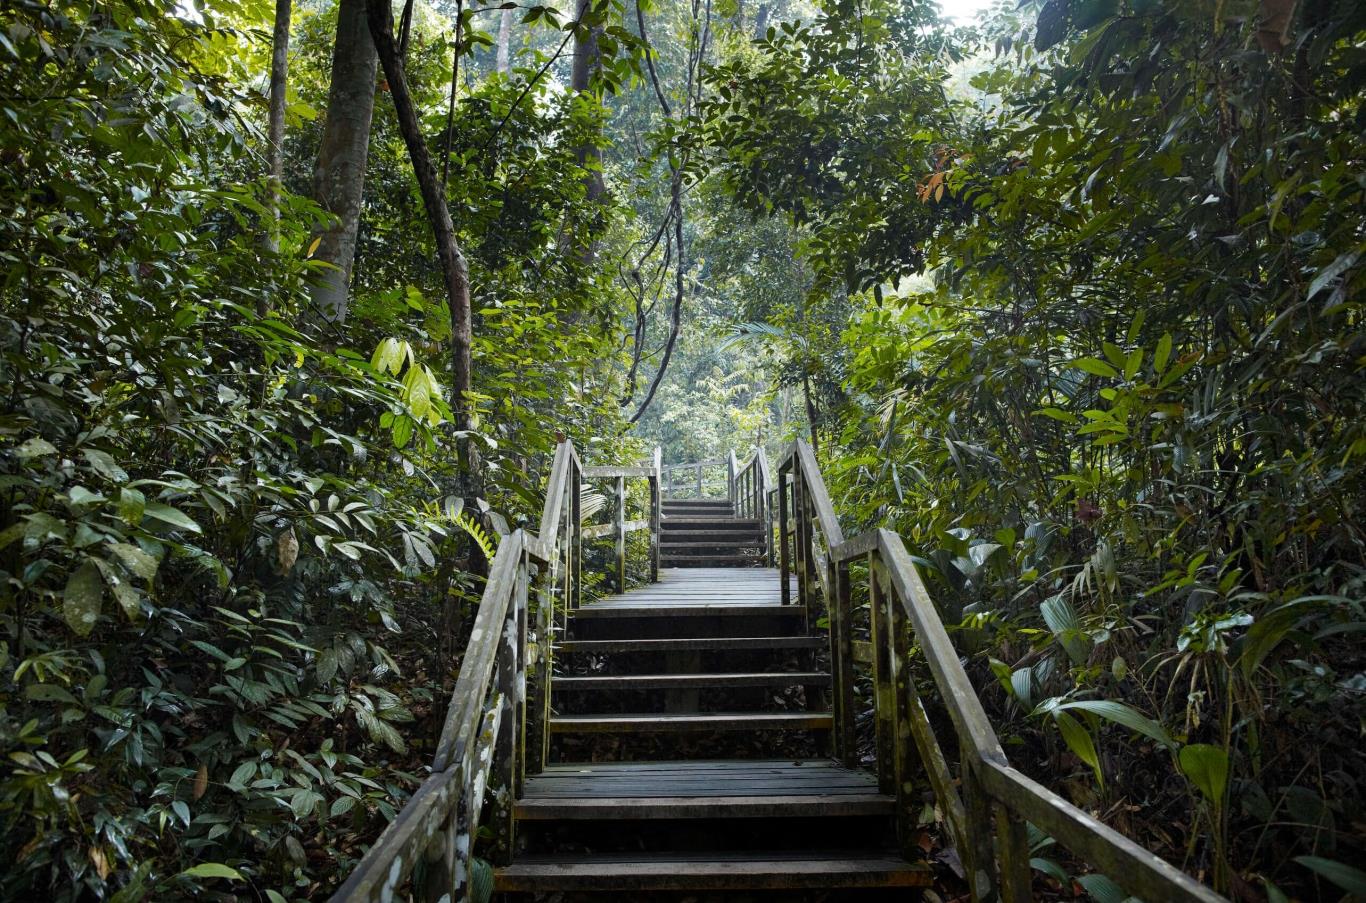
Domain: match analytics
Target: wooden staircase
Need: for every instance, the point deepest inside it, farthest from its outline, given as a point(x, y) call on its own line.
point(687, 738)
point(706, 533)
point(700, 733)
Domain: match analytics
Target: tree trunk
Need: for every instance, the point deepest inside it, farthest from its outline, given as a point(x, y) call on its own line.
point(761, 22)
point(810, 410)
point(275, 131)
point(454, 267)
point(587, 61)
point(504, 41)
point(339, 179)
point(675, 315)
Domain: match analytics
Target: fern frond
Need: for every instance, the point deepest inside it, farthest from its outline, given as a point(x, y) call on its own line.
point(487, 544)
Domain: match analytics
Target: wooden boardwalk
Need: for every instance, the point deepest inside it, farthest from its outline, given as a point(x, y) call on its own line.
point(701, 733)
point(655, 661)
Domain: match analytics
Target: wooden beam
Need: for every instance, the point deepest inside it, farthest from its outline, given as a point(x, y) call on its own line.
point(471, 686)
point(1137, 870)
point(613, 471)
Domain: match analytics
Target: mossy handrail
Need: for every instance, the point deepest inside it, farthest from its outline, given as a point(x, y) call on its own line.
point(494, 731)
point(987, 820)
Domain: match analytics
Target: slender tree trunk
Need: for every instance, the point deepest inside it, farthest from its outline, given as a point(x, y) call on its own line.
point(275, 130)
point(587, 61)
point(810, 410)
point(761, 22)
point(504, 41)
point(339, 179)
point(675, 315)
point(454, 267)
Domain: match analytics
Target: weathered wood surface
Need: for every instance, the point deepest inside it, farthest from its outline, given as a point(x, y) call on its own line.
point(655, 872)
point(597, 531)
point(719, 644)
point(390, 860)
point(617, 472)
point(719, 680)
point(703, 789)
point(696, 588)
point(700, 723)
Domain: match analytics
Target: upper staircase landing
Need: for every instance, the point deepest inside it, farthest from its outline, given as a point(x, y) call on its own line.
point(708, 534)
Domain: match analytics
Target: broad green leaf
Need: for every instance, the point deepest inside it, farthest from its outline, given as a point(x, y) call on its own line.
point(1120, 713)
point(1162, 354)
point(1207, 768)
point(1103, 889)
point(1078, 739)
point(212, 870)
point(36, 447)
point(1343, 262)
point(1132, 363)
point(171, 516)
point(1021, 682)
point(49, 693)
point(82, 597)
point(1095, 366)
point(104, 464)
point(138, 562)
point(1347, 877)
point(132, 504)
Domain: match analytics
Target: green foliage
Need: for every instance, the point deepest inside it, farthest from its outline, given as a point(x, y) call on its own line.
point(1122, 427)
point(229, 601)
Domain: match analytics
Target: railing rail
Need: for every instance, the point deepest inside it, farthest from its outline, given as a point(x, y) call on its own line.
point(494, 731)
point(713, 479)
point(986, 809)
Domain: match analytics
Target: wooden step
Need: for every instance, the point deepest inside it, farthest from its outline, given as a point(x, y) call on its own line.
point(680, 644)
point(694, 533)
point(711, 561)
point(697, 521)
point(778, 788)
point(711, 542)
point(663, 609)
point(708, 871)
point(692, 681)
point(690, 723)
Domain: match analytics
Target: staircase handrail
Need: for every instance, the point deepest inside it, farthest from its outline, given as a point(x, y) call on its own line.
point(987, 822)
point(495, 723)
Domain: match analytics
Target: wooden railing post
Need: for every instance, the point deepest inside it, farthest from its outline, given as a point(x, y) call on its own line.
point(842, 666)
point(656, 514)
point(784, 563)
point(800, 547)
point(978, 857)
point(731, 469)
point(575, 598)
point(883, 683)
point(899, 650)
point(545, 659)
point(441, 858)
point(620, 532)
point(699, 481)
point(1012, 857)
